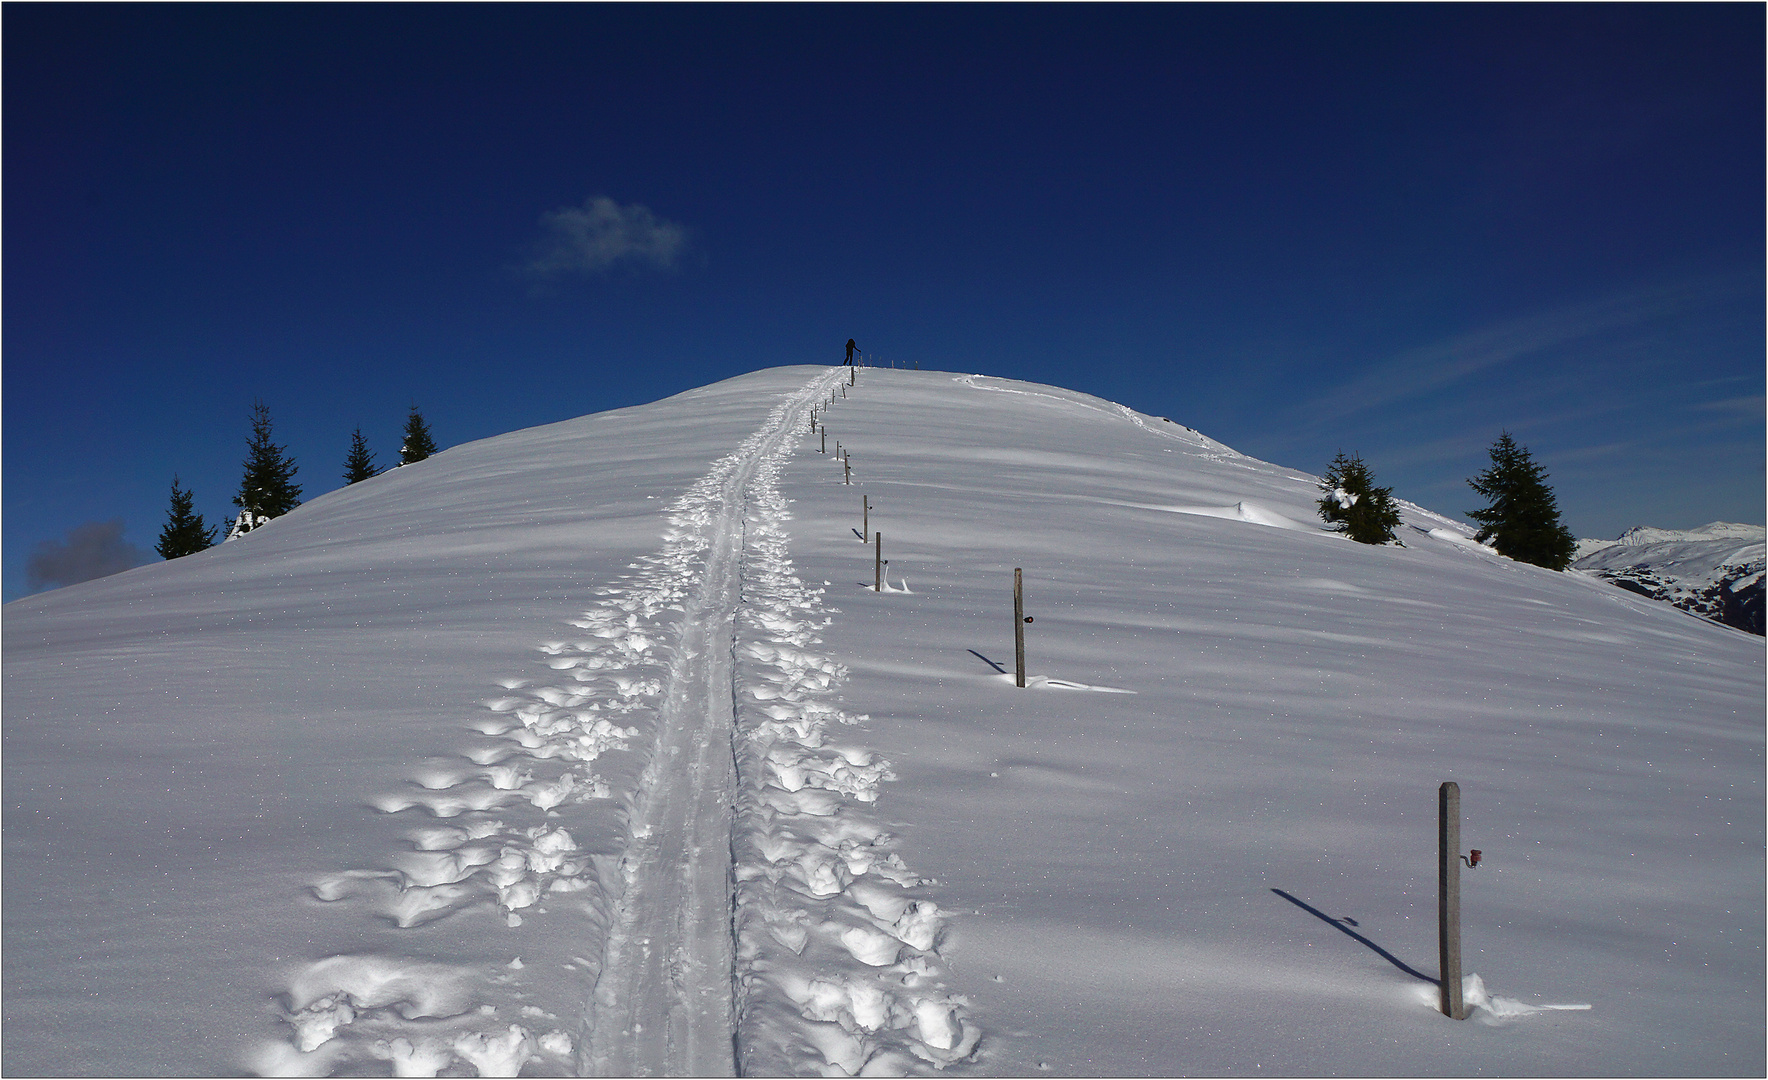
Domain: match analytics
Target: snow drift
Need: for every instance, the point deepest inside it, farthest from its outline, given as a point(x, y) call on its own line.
point(591, 748)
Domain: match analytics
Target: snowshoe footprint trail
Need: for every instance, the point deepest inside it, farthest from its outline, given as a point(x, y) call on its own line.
point(835, 963)
point(838, 958)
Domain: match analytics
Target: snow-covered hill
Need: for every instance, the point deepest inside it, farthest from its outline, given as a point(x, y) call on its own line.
point(1714, 571)
point(592, 747)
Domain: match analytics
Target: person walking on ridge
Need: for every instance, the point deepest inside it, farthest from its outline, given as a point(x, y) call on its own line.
point(850, 347)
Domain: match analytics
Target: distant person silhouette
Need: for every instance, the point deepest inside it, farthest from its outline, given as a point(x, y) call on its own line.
point(850, 347)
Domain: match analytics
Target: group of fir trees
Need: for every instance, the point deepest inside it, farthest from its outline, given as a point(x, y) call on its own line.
point(416, 446)
point(267, 490)
point(1520, 522)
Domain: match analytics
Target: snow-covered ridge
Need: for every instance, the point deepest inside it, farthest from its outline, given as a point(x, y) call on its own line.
point(1715, 530)
point(1715, 571)
point(346, 782)
point(1641, 535)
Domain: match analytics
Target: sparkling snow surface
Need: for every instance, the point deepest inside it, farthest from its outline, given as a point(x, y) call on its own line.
point(521, 756)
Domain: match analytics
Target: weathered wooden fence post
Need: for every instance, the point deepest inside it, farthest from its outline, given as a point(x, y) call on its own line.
point(823, 449)
point(865, 518)
point(878, 562)
point(1018, 626)
point(847, 470)
point(1449, 898)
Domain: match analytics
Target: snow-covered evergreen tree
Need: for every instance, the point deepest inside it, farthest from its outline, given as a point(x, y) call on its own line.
point(268, 489)
point(418, 445)
point(1353, 505)
point(184, 532)
point(360, 464)
point(1522, 521)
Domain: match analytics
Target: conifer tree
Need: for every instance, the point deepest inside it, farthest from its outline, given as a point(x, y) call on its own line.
point(184, 532)
point(360, 464)
point(1522, 521)
point(418, 445)
point(1353, 505)
point(268, 489)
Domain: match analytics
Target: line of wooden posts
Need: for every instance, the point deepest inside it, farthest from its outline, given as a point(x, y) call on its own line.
point(876, 539)
point(1449, 856)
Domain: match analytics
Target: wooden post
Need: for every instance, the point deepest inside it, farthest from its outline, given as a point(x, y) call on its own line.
point(825, 447)
point(865, 518)
point(851, 373)
point(878, 562)
point(1449, 898)
point(1018, 626)
point(847, 471)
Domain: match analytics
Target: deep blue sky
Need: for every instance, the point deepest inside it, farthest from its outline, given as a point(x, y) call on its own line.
point(1393, 230)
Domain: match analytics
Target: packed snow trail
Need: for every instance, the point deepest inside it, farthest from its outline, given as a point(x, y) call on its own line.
point(836, 963)
point(663, 1002)
point(742, 845)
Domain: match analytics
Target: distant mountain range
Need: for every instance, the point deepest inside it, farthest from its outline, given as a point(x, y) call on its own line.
point(1714, 571)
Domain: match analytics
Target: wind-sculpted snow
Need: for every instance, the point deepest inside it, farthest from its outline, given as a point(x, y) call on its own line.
point(834, 961)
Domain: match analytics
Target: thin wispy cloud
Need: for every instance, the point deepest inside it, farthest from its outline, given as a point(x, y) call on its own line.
point(1750, 406)
point(1434, 367)
point(1724, 381)
point(1705, 432)
point(92, 550)
point(1593, 453)
point(601, 234)
point(1457, 439)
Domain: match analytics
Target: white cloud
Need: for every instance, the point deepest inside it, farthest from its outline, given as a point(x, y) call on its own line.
point(601, 233)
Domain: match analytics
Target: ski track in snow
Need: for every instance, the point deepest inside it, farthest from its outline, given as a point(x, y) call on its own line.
point(756, 919)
